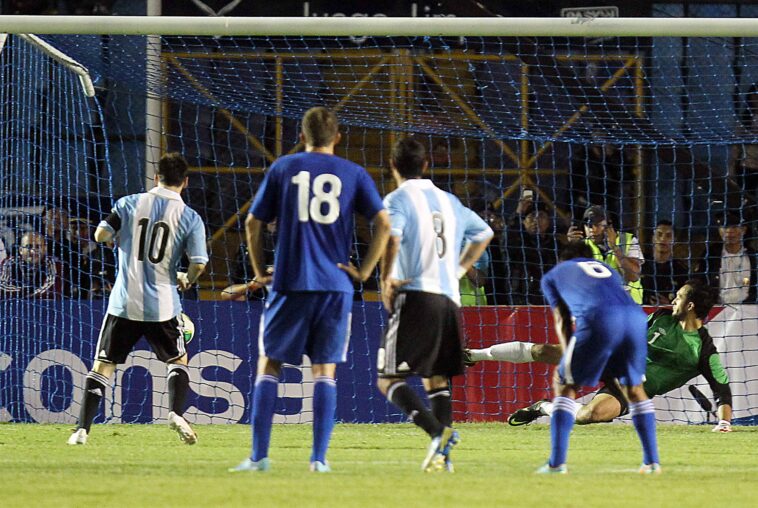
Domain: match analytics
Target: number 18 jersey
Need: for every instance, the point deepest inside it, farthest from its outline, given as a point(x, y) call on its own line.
point(153, 230)
point(313, 196)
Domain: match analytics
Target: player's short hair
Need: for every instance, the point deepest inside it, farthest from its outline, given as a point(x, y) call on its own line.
point(576, 249)
point(172, 169)
point(408, 157)
point(703, 296)
point(319, 127)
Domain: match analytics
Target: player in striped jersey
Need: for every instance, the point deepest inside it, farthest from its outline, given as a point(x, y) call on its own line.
point(312, 195)
point(420, 273)
point(152, 230)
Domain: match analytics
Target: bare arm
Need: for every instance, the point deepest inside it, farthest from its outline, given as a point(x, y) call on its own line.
point(471, 255)
point(254, 235)
point(187, 280)
point(238, 292)
point(389, 285)
point(631, 267)
point(375, 249)
point(562, 320)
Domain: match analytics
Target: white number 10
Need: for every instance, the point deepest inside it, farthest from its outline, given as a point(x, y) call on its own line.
point(310, 208)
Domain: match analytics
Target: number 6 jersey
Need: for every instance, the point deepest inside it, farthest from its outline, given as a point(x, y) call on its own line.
point(152, 231)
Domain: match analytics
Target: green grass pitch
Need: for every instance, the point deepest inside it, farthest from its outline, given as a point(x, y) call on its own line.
point(373, 465)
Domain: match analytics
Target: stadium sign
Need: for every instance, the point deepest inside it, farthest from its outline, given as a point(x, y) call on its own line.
point(606, 11)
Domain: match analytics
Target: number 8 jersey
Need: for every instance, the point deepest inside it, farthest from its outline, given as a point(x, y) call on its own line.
point(153, 230)
point(313, 196)
point(433, 226)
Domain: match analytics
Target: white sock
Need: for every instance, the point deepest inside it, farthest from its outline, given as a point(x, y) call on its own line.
point(514, 352)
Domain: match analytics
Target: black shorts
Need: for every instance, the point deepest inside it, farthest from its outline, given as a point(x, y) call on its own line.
point(119, 335)
point(612, 388)
point(423, 337)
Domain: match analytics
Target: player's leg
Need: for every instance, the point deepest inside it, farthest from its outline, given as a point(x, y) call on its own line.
point(604, 407)
point(397, 391)
point(166, 339)
point(282, 336)
point(443, 361)
point(264, 403)
point(117, 338)
point(643, 417)
point(438, 391)
point(561, 423)
point(398, 352)
point(641, 408)
point(95, 385)
point(515, 352)
point(581, 365)
point(324, 408)
point(262, 415)
point(327, 346)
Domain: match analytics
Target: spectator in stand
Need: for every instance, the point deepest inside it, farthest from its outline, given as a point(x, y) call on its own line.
point(730, 265)
point(664, 274)
point(3, 252)
point(59, 246)
point(617, 249)
point(95, 272)
point(31, 273)
point(745, 156)
point(532, 250)
point(497, 286)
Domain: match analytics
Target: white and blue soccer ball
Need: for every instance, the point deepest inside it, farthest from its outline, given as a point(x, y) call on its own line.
point(187, 327)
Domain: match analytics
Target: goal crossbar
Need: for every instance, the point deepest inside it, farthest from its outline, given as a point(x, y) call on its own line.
point(402, 26)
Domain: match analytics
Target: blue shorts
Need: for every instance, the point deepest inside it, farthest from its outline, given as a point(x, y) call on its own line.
point(610, 344)
point(312, 323)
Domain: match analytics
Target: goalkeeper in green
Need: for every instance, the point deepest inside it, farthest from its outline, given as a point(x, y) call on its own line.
point(679, 349)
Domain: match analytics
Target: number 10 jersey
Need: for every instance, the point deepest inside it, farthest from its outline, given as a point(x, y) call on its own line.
point(153, 230)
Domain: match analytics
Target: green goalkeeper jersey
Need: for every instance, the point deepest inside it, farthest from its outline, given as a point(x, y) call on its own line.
point(675, 356)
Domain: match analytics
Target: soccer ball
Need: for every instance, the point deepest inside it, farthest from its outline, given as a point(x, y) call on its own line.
point(187, 327)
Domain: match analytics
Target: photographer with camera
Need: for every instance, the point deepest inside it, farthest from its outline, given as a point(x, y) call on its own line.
point(617, 249)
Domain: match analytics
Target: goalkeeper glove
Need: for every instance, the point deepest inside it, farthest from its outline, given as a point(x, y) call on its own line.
point(722, 426)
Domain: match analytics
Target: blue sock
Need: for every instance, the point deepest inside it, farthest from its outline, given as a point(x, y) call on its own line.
point(324, 406)
point(264, 402)
point(561, 423)
point(643, 418)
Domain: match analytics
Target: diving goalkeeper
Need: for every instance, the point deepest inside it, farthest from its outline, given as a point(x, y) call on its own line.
point(679, 349)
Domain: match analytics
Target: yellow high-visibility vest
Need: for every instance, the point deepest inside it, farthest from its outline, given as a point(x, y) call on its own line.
point(634, 288)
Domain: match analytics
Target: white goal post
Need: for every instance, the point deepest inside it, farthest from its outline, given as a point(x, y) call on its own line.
point(401, 26)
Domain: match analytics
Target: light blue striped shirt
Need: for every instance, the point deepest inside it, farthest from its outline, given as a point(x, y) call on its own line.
point(157, 228)
point(433, 226)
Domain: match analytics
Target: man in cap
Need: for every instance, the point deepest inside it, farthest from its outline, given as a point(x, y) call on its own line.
point(617, 249)
point(731, 265)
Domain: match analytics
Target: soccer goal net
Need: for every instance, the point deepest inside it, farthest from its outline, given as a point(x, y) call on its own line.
point(529, 122)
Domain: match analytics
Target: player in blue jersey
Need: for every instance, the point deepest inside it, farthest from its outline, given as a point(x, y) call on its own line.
point(603, 333)
point(313, 196)
point(434, 241)
point(152, 230)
